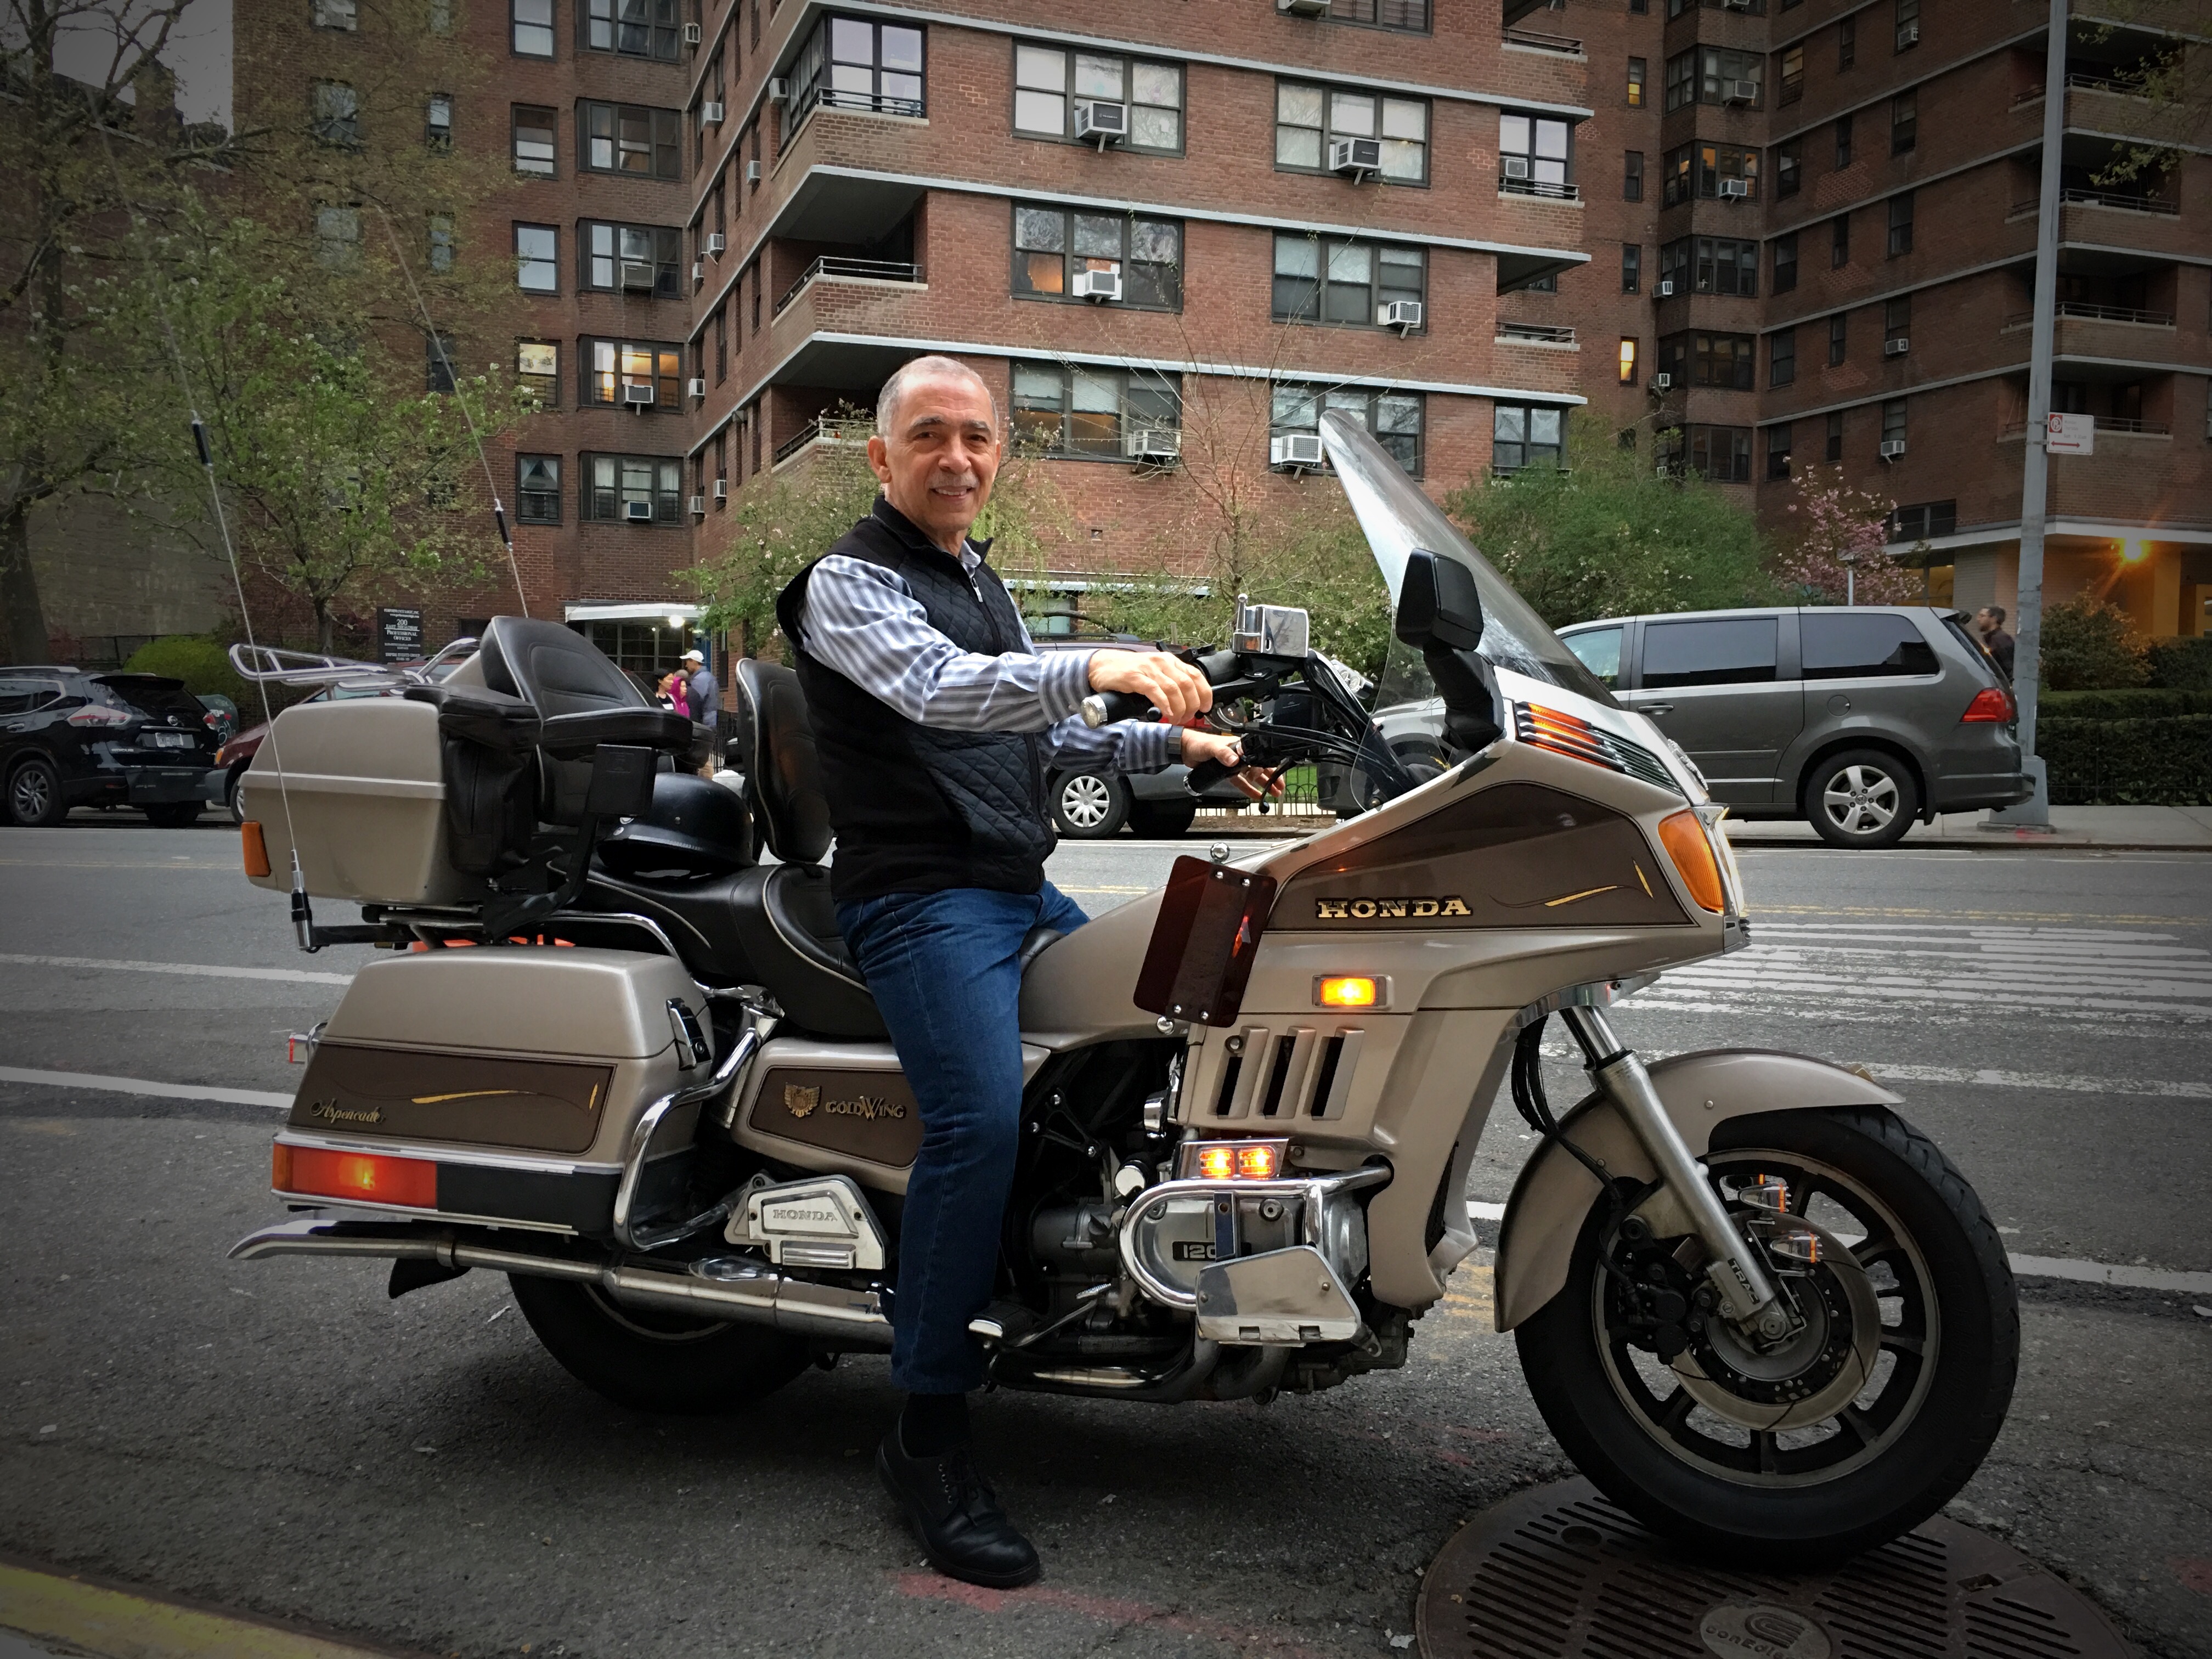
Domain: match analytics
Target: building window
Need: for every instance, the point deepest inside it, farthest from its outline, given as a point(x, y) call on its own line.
point(338, 237)
point(1631, 176)
point(1721, 453)
point(437, 362)
point(1842, 141)
point(1322, 280)
point(1725, 361)
point(1627, 362)
point(537, 366)
point(1839, 241)
point(1639, 8)
point(533, 141)
point(337, 14)
point(1893, 420)
point(1897, 318)
point(1409, 14)
point(1793, 75)
point(441, 242)
point(721, 343)
point(1308, 120)
point(1908, 24)
point(337, 114)
point(760, 280)
point(1635, 83)
point(1836, 340)
point(1785, 262)
point(636, 29)
point(1061, 409)
point(1701, 170)
point(1714, 75)
point(532, 22)
point(1900, 224)
point(1711, 264)
point(1048, 82)
point(614, 368)
point(537, 258)
point(438, 122)
point(1788, 168)
point(848, 63)
point(722, 467)
point(1847, 43)
point(1777, 453)
point(630, 138)
point(1527, 435)
point(1835, 450)
point(1923, 522)
point(538, 488)
point(619, 483)
point(1397, 420)
point(643, 259)
point(1756, 8)
point(1903, 122)
point(1054, 246)
point(1632, 267)
point(1533, 156)
point(1782, 357)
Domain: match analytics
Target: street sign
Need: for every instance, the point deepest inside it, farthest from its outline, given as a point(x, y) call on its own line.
point(2070, 435)
point(398, 635)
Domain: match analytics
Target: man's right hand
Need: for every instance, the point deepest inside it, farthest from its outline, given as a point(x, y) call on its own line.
point(1172, 685)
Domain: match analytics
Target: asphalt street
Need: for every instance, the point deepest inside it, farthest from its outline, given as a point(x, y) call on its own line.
point(280, 1438)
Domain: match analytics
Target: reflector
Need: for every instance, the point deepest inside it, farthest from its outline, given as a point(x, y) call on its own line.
point(1683, 835)
point(364, 1177)
point(253, 848)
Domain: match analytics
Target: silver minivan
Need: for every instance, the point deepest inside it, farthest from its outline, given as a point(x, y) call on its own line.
point(1861, 718)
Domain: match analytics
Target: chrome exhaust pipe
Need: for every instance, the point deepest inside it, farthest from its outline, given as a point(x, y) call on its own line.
point(735, 1288)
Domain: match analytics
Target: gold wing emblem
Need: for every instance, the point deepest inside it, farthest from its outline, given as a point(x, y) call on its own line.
point(801, 1099)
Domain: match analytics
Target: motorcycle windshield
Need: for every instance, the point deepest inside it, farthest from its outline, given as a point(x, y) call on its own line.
point(1397, 518)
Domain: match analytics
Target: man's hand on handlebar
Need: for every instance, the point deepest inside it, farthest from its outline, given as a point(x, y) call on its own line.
point(1199, 747)
point(1172, 685)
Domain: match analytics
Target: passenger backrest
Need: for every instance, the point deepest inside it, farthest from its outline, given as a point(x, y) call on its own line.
point(554, 667)
point(785, 776)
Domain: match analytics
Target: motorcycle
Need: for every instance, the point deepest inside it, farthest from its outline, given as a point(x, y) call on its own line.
point(1756, 1306)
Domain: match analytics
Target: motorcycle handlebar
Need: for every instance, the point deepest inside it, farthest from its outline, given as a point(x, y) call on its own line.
point(1204, 776)
point(1104, 708)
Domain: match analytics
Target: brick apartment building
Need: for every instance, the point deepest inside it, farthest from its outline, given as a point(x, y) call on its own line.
point(1816, 219)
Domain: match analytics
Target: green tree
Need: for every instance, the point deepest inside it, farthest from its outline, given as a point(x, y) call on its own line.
point(1608, 535)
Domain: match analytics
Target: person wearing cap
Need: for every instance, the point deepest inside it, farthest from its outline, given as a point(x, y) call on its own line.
point(705, 704)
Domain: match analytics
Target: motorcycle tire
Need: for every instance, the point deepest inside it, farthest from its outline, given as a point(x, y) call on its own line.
point(654, 1362)
point(1891, 1454)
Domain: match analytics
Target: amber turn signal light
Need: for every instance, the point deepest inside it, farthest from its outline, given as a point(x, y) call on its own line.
point(1232, 1160)
point(362, 1177)
point(1347, 991)
point(1683, 835)
point(254, 849)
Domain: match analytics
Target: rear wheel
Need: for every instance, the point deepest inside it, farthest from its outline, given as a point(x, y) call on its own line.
point(34, 794)
point(1861, 798)
point(1163, 820)
point(173, 815)
point(655, 1362)
point(234, 794)
point(1090, 805)
point(1844, 1435)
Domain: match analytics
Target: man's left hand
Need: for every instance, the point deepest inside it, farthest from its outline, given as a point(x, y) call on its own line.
point(1254, 780)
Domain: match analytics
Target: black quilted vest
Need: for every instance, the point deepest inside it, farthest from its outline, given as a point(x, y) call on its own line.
point(918, 809)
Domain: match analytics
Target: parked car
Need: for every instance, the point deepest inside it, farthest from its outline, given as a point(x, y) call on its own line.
point(72, 739)
point(237, 753)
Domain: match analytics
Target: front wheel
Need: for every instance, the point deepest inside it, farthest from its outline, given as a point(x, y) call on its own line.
point(1848, 1433)
point(654, 1361)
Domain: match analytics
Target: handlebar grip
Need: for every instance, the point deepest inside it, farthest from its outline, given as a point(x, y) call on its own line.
point(1104, 708)
point(1204, 776)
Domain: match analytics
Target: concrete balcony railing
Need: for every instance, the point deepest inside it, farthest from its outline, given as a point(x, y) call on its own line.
point(2085, 311)
point(822, 429)
point(1537, 40)
point(834, 267)
point(1550, 334)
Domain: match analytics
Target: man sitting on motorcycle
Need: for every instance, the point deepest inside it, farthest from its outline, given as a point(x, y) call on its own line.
point(935, 719)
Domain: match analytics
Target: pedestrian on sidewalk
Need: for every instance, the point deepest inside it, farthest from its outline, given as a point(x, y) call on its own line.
point(706, 705)
point(676, 694)
point(1989, 628)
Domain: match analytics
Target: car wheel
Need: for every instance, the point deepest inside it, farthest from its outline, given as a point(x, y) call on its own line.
point(234, 794)
point(174, 814)
point(35, 795)
point(1163, 820)
point(1861, 798)
point(1089, 805)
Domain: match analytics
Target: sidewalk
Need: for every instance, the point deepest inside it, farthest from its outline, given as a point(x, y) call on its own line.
point(2135, 828)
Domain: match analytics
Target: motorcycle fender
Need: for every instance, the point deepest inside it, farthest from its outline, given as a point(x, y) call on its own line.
point(1545, 1215)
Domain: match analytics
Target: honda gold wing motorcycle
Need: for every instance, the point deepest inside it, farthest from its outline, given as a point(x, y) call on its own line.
point(1759, 1308)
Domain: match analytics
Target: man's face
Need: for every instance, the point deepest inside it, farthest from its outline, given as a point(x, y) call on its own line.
point(1984, 622)
point(943, 452)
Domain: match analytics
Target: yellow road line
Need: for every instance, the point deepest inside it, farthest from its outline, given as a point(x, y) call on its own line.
point(1973, 915)
point(115, 1625)
point(110, 863)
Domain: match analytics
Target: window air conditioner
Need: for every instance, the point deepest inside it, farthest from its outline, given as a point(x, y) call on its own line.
point(1516, 167)
point(1891, 448)
point(1908, 34)
point(1097, 284)
point(636, 396)
point(1101, 120)
point(691, 35)
point(752, 172)
point(1666, 288)
point(698, 506)
point(1152, 444)
point(1662, 382)
point(710, 112)
point(1734, 189)
point(1739, 92)
point(1296, 452)
point(698, 272)
point(1303, 8)
point(638, 511)
point(696, 386)
point(716, 242)
point(1402, 314)
point(721, 489)
point(637, 275)
point(1897, 347)
point(1356, 155)
point(779, 89)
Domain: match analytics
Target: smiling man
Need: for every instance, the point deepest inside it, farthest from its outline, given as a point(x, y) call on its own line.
point(935, 719)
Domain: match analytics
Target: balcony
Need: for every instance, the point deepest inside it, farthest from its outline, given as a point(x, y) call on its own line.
point(1540, 188)
point(834, 267)
point(1536, 40)
point(822, 429)
point(2095, 313)
point(1551, 334)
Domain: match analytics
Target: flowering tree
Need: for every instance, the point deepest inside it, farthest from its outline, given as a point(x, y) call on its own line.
point(1831, 543)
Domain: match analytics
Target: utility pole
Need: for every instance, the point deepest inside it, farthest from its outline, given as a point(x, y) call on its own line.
point(2034, 812)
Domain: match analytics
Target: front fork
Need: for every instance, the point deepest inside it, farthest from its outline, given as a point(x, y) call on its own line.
point(1747, 1294)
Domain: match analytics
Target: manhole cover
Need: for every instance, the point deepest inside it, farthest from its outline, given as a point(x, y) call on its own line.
point(1559, 1572)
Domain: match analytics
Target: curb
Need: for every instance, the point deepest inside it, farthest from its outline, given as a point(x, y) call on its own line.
point(112, 1623)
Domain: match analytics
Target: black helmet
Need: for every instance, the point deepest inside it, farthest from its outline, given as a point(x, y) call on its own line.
point(694, 826)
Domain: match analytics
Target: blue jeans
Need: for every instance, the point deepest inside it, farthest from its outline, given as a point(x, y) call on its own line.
point(943, 971)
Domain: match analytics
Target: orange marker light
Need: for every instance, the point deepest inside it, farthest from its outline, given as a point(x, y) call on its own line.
point(1217, 1161)
point(364, 1177)
point(1256, 1161)
point(253, 848)
point(1683, 838)
point(1347, 990)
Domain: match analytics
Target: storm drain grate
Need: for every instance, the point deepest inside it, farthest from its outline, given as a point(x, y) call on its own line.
point(1559, 1572)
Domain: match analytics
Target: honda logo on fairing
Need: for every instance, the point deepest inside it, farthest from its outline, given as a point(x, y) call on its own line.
point(1363, 909)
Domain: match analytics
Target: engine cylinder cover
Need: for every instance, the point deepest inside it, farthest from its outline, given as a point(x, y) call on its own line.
point(1183, 1236)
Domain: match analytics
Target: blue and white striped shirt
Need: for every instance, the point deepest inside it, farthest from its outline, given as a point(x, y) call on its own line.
point(862, 620)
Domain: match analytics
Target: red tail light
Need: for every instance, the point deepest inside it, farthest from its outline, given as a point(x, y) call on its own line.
point(366, 1177)
point(94, 713)
point(1992, 704)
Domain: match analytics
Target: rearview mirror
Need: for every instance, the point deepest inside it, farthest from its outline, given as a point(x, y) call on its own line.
point(1272, 630)
point(1437, 603)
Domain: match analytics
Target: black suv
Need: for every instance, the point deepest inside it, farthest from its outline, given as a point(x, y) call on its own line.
point(69, 738)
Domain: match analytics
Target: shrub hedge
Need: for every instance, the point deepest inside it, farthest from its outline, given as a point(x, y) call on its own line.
point(2127, 748)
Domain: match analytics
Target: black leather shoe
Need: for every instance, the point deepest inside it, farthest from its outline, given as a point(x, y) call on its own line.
point(956, 1516)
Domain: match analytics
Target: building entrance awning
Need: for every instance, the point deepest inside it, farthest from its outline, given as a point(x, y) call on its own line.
point(666, 611)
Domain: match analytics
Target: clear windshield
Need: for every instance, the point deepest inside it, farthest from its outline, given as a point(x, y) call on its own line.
point(1398, 519)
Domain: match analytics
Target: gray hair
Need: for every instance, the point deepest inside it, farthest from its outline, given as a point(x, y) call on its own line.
point(914, 368)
